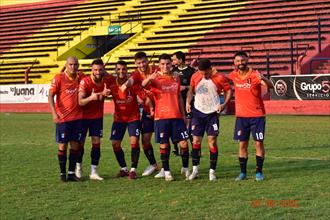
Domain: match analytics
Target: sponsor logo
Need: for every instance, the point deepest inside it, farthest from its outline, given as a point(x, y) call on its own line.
point(43, 92)
point(310, 87)
point(243, 85)
point(27, 93)
point(281, 88)
point(4, 92)
point(170, 88)
point(70, 91)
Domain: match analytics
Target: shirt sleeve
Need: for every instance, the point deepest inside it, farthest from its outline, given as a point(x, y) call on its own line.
point(225, 83)
point(55, 85)
point(83, 86)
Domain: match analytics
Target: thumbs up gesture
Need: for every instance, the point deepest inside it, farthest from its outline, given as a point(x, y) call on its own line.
point(106, 91)
point(94, 96)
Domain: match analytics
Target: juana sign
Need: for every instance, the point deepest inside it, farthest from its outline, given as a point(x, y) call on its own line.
point(301, 87)
point(33, 93)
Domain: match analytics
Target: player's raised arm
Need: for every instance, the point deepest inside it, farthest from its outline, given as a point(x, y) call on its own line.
point(266, 82)
point(106, 91)
point(147, 80)
point(127, 84)
point(84, 100)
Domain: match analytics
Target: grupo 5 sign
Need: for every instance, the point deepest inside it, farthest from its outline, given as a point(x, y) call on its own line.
point(301, 87)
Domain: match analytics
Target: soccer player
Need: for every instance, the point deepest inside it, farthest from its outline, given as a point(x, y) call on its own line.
point(143, 70)
point(127, 115)
point(184, 72)
point(67, 115)
point(250, 112)
point(91, 98)
point(169, 114)
point(207, 85)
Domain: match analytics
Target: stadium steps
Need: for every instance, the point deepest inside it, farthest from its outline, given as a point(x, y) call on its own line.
point(42, 43)
point(269, 24)
point(124, 49)
point(156, 48)
point(323, 67)
point(149, 13)
point(253, 29)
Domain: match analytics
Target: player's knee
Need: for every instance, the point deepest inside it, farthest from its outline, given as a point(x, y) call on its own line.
point(146, 146)
point(213, 149)
point(116, 146)
point(183, 144)
point(196, 146)
point(135, 145)
point(164, 148)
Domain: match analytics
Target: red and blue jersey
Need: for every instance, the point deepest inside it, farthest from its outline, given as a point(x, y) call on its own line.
point(93, 109)
point(248, 101)
point(166, 91)
point(66, 91)
point(126, 104)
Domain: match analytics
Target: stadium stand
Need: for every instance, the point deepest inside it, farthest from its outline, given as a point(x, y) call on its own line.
point(42, 35)
point(41, 32)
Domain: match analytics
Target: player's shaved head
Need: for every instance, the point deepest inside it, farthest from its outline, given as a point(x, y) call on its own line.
point(72, 65)
point(71, 59)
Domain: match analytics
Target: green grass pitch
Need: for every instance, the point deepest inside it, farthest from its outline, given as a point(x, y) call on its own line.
point(296, 169)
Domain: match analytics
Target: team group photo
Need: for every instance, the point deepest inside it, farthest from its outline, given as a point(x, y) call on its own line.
point(142, 109)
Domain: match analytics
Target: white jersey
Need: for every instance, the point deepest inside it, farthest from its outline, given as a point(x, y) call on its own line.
point(207, 99)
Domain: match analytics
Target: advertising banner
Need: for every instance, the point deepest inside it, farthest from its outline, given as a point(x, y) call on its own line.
point(33, 93)
point(301, 87)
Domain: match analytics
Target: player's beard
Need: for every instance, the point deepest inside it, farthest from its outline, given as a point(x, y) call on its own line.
point(242, 67)
point(97, 79)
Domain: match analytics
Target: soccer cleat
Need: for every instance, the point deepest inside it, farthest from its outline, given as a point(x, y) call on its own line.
point(241, 176)
point(132, 175)
point(122, 173)
point(212, 175)
point(95, 176)
point(72, 178)
point(193, 175)
point(78, 170)
point(168, 176)
point(259, 177)
point(63, 177)
point(149, 170)
point(161, 174)
point(185, 172)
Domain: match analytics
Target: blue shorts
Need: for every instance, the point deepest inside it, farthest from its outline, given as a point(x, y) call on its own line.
point(201, 123)
point(170, 128)
point(119, 128)
point(93, 126)
point(69, 131)
point(245, 126)
point(148, 125)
